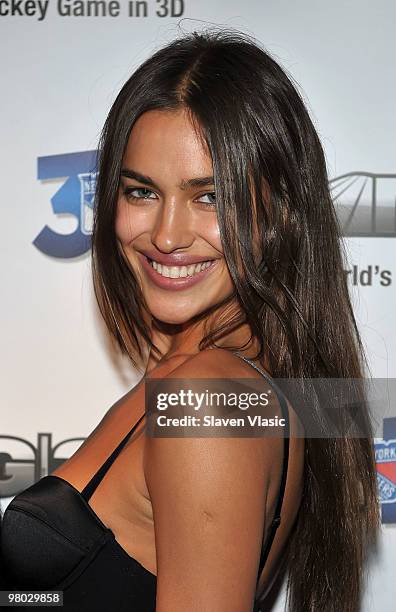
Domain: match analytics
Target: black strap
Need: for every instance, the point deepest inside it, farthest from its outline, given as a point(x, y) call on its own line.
point(96, 478)
point(277, 515)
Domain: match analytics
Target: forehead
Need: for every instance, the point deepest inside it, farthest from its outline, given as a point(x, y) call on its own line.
point(162, 141)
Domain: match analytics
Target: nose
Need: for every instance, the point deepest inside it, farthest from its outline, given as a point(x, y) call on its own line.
point(172, 226)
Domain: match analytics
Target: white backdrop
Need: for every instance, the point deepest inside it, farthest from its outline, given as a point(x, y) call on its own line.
point(59, 76)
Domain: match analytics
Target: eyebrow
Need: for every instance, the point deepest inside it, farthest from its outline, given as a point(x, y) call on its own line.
point(201, 181)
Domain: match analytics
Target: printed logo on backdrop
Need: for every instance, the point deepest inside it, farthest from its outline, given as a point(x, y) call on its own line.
point(365, 203)
point(74, 197)
point(23, 463)
point(385, 457)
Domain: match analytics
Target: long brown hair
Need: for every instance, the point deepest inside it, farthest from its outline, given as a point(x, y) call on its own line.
point(294, 296)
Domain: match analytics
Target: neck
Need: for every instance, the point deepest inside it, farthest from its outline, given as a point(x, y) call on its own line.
point(183, 340)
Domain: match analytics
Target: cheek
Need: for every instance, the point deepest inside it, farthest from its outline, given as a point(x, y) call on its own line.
point(212, 234)
point(128, 225)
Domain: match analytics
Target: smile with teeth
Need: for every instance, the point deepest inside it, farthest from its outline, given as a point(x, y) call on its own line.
point(179, 271)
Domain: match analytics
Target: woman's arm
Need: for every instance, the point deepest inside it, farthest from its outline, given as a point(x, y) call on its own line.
point(209, 499)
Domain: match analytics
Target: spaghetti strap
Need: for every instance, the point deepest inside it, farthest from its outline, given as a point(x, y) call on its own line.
point(277, 515)
point(97, 477)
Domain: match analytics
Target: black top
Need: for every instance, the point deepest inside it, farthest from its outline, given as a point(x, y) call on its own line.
point(51, 539)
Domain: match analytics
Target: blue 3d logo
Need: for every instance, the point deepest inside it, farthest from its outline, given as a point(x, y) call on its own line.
point(75, 197)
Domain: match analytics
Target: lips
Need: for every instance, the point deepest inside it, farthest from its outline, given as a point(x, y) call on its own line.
point(176, 284)
point(176, 259)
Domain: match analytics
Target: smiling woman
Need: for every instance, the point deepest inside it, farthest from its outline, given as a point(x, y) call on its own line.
point(214, 230)
point(166, 217)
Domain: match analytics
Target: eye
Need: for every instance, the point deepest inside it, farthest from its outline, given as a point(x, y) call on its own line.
point(138, 193)
point(210, 199)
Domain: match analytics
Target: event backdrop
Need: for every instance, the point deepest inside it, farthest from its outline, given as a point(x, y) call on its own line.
point(62, 64)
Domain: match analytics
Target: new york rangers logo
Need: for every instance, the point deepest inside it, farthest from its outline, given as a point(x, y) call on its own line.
point(385, 457)
point(88, 184)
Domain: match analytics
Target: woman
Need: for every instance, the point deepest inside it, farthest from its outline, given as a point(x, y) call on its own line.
point(208, 158)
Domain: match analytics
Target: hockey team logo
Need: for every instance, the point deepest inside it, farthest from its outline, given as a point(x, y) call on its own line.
point(75, 196)
point(385, 457)
point(87, 193)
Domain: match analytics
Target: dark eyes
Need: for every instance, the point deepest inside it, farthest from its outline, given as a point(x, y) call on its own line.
point(142, 193)
point(138, 193)
point(212, 198)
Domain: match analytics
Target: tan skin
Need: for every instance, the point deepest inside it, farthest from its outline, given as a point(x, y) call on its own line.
point(191, 511)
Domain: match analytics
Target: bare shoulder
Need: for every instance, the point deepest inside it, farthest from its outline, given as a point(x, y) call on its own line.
point(223, 364)
point(210, 498)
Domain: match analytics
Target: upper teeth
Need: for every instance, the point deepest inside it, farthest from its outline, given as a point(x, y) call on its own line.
point(180, 271)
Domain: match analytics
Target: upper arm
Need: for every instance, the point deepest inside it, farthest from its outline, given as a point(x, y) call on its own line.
point(209, 498)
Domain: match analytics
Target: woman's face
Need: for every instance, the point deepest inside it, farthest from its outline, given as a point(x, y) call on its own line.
point(166, 212)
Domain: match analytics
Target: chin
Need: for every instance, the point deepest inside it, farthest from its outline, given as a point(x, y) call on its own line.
point(172, 319)
point(174, 315)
